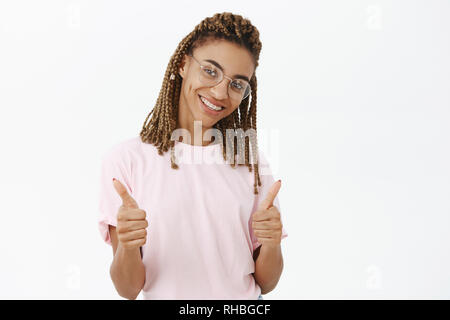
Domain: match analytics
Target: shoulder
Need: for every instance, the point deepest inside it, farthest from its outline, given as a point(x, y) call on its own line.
point(124, 149)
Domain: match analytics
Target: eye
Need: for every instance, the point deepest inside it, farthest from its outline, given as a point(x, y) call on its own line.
point(211, 72)
point(237, 85)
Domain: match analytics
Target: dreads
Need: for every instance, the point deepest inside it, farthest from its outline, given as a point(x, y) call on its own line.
point(158, 129)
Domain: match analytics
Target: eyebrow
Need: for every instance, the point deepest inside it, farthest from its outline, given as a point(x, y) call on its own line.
point(236, 76)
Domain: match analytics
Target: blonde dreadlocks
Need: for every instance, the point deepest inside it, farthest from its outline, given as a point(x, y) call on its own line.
point(158, 129)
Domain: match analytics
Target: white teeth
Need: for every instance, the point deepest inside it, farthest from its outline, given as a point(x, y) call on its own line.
point(210, 105)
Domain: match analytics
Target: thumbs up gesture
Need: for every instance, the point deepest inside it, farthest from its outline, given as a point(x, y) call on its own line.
point(266, 223)
point(131, 221)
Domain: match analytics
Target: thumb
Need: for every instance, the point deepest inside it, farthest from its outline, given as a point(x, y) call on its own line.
point(127, 200)
point(271, 195)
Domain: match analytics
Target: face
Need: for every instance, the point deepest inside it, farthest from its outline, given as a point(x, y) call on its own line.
point(234, 60)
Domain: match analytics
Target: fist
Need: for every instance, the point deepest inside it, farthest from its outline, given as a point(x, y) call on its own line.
point(131, 221)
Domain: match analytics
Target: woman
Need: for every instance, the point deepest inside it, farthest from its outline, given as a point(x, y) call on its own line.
point(183, 229)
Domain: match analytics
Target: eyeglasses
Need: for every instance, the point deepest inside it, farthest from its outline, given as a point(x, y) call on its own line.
point(210, 76)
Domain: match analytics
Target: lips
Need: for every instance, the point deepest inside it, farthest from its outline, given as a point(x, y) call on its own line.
point(208, 110)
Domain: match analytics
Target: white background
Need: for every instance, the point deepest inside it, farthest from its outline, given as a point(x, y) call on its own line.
point(358, 93)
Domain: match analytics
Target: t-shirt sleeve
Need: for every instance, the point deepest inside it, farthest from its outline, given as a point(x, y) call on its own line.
point(267, 180)
point(115, 164)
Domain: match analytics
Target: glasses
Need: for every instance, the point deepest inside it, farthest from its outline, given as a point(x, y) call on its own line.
point(210, 76)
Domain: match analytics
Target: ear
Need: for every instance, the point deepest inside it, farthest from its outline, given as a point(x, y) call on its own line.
point(182, 68)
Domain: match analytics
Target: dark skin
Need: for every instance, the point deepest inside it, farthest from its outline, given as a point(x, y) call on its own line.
point(115, 241)
point(268, 229)
point(235, 60)
point(256, 253)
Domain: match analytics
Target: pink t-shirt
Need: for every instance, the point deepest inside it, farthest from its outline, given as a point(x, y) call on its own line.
point(200, 240)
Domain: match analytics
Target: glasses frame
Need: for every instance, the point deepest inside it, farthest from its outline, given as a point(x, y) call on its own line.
point(223, 77)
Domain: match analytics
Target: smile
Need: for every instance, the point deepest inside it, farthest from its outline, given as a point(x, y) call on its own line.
point(209, 107)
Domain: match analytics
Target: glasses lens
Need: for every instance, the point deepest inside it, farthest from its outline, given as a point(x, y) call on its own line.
point(239, 89)
point(210, 75)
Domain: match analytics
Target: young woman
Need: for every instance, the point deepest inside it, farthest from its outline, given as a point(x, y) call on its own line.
point(196, 229)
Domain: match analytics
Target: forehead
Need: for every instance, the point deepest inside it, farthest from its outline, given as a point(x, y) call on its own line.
point(233, 58)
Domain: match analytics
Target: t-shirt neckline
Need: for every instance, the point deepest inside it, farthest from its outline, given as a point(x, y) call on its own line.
point(212, 145)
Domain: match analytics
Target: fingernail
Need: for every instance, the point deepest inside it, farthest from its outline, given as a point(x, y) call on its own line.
point(279, 180)
point(114, 179)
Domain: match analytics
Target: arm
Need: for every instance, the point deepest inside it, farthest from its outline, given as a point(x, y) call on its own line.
point(268, 267)
point(127, 270)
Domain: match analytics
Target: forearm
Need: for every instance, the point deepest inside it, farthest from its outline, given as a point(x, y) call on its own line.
point(268, 268)
point(128, 272)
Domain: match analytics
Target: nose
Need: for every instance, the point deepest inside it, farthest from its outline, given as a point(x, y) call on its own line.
point(220, 91)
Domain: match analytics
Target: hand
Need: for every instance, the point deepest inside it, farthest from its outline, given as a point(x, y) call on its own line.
point(131, 222)
point(266, 223)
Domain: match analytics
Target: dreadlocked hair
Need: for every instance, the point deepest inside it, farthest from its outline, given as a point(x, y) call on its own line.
point(158, 129)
